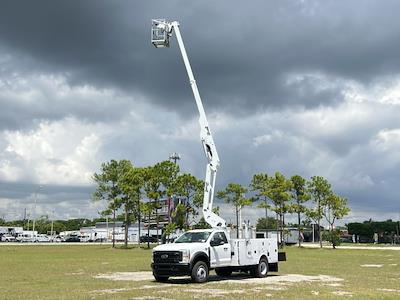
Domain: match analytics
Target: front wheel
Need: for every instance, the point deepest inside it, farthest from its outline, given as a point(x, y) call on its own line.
point(261, 270)
point(199, 272)
point(161, 278)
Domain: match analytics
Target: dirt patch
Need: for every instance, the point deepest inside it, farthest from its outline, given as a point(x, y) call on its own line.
point(342, 293)
point(389, 290)
point(109, 291)
point(282, 279)
point(371, 266)
point(212, 292)
point(75, 273)
point(334, 284)
point(315, 293)
point(126, 276)
point(150, 298)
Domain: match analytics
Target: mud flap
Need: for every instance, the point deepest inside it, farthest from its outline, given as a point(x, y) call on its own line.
point(281, 256)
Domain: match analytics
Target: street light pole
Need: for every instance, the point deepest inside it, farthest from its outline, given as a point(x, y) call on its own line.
point(175, 157)
point(52, 225)
point(34, 210)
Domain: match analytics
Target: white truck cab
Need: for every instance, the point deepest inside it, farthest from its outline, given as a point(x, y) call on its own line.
point(196, 252)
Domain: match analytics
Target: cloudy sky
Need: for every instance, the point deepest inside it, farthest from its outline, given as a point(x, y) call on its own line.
point(300, 87)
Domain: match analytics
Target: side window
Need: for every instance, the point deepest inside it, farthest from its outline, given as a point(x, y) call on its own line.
point(220, 237)
point(223, 237)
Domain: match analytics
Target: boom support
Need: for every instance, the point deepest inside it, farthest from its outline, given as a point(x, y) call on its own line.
point(161, 32)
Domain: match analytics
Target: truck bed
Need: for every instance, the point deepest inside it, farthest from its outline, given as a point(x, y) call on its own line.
point(248, 252)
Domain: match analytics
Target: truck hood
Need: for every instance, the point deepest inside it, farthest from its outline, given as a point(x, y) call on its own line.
point(181, 246)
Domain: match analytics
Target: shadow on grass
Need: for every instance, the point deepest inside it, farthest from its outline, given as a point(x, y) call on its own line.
point(130, 247)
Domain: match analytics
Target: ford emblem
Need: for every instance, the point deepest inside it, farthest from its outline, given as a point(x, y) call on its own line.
point(164, 256)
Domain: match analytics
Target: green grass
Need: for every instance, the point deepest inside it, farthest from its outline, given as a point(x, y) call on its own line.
point(66, 272)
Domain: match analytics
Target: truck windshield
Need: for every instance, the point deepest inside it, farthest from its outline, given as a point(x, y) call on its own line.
point(193, 237)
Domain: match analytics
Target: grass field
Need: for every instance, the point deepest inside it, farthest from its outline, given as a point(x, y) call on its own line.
point(68, 272)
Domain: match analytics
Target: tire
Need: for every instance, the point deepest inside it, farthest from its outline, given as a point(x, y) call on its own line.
point(199, 272)
point(161, 278)
point(261, 270)
point(223, 272)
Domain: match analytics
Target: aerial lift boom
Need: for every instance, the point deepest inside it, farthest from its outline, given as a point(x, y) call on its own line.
point(161, 32)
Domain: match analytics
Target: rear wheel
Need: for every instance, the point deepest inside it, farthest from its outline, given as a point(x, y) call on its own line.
point(161, 278)
point(261, 270)
point(199, 272)
point(223, 272)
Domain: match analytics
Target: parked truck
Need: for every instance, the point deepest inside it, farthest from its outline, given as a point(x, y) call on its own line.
point(196, 252)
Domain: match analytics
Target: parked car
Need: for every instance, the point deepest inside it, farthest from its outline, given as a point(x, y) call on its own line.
point(72, 239)
point(8, 238)
point(24, 237)
point(55, 239)
point(100, 240)
point(146, 238)
point(41, 238)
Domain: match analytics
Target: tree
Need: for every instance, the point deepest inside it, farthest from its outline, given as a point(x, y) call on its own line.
point(334, 208)
point(235, 193)
point(191, 189)
point(319, 189)
point(108, 189)
point(266, 223)
point(300, 196)
point(259, 184)
point(179, 216)
point(278, 191)
point(131, 183)
point(169, 229)
point(157, 182)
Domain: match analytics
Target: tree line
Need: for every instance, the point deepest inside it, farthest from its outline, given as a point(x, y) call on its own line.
point(313, 199)
point(124, 186)
point(367, 229)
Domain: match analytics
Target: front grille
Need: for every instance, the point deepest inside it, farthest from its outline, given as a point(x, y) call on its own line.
point(167, 256)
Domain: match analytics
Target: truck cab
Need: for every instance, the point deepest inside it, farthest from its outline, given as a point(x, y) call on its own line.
point(196, 252)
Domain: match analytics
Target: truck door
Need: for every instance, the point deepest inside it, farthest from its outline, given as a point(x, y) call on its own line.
point(220, 250)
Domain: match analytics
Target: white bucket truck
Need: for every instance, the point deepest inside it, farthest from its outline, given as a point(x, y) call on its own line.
point(196, 252)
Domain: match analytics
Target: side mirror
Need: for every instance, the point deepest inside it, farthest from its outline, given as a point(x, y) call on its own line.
point(214, 243)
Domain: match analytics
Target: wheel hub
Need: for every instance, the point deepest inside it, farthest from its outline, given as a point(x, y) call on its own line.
point(201, 273)
point(263, 268)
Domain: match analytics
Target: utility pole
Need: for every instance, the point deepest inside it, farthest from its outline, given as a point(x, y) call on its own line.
point(34, 210)
point(175, 157)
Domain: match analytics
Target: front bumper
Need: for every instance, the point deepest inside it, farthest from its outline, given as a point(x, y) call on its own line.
point(160, 269)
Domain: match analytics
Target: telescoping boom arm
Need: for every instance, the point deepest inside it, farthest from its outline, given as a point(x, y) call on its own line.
point(161, 32)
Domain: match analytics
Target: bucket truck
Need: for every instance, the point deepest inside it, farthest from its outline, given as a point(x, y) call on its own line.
point(196, 252)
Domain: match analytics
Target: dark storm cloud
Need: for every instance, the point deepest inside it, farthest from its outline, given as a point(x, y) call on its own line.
point(241, 53)
point(52, 193)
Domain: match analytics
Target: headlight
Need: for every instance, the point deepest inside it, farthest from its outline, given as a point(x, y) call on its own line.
point(185, 256)
point(152, 256)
